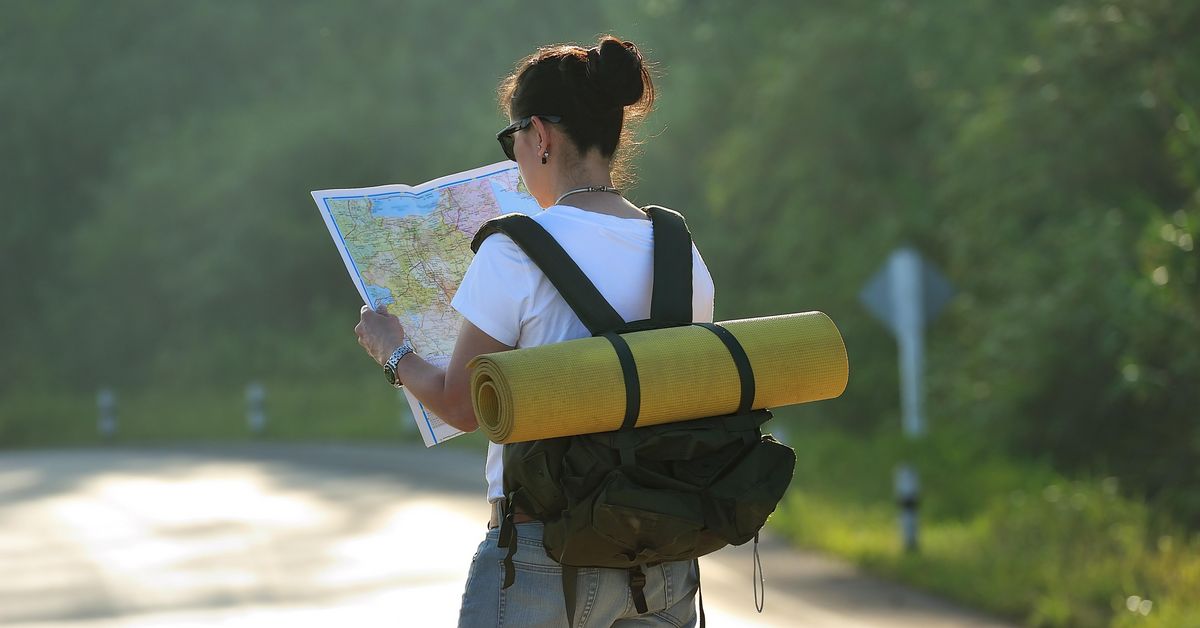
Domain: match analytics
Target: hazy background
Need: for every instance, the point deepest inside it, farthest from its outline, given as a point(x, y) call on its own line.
point(158, 238)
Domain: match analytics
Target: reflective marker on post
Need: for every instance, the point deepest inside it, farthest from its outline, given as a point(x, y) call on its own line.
point(907, 491)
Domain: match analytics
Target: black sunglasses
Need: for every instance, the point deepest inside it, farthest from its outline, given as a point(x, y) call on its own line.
point(505, 137)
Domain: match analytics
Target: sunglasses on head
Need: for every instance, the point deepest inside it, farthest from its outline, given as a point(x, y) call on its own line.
point(505, 136)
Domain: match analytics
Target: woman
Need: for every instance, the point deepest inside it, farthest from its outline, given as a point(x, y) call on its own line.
point(568, 106)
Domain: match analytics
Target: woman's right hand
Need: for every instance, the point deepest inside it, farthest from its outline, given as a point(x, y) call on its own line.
point(378, 332)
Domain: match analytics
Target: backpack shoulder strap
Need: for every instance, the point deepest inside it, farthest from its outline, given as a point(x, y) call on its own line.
point(672, 298)
point(576, 289)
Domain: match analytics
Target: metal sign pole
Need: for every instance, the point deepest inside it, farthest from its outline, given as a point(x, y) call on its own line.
point(905, 274)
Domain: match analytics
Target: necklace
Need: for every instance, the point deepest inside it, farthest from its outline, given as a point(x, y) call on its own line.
point(591, 188)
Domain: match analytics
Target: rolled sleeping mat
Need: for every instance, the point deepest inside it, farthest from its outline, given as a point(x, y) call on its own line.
point(577, 386)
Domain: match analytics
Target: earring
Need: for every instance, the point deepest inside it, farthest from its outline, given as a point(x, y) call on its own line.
point(545, 156)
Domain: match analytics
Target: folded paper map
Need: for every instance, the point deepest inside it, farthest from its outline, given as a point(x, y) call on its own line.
point(408, 247)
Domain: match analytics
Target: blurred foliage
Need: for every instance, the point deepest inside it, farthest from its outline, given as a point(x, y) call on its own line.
point(158, 230)
point(1045, 156)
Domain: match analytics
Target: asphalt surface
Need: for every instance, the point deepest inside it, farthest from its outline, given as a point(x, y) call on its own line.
point(264, 535)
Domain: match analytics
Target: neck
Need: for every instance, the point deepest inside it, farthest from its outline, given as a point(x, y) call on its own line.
point(587, 190)
point(587, 174)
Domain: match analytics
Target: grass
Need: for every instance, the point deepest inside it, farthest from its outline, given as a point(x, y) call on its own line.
point(1010, 537)
point(333, 410)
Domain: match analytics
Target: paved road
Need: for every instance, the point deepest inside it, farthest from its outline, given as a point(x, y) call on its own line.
point(269, 535)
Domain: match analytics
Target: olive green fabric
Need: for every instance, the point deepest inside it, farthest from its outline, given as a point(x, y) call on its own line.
point(678, 490)
point(576, 387)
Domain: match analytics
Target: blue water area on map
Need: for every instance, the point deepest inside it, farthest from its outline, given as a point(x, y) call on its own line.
point(380, 295)
point(511, 201)
point(400, 205)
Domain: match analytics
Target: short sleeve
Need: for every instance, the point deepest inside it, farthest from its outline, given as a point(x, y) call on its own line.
point(496, 290)
point(703, 290)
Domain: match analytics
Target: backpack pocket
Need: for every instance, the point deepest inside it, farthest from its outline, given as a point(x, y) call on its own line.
point(750, 490)
point(529, 467)
point(653, 524)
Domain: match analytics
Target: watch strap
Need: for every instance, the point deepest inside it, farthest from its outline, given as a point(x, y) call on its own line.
point(389, 366)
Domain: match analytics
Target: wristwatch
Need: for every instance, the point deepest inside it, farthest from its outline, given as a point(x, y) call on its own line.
point(389, 367)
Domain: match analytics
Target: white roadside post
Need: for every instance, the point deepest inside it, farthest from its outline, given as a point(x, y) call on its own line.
point(907, 294)
point(908, 491)
point(106, 405)
point(407, 426)
point(256, 412)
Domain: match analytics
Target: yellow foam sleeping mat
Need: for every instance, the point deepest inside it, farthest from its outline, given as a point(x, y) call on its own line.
point(576, 387)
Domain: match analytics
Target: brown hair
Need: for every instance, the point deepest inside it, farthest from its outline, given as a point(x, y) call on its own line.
point(596, 90)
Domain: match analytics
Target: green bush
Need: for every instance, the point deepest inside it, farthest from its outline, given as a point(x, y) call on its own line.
point(1011, 537)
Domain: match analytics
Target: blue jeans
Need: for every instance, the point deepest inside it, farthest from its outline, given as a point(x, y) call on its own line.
point(535, 599)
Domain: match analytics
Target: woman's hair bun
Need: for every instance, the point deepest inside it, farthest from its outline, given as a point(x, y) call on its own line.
point(616, 68)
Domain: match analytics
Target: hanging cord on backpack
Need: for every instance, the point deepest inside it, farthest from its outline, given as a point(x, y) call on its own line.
point(758, 577)
point(699, 591)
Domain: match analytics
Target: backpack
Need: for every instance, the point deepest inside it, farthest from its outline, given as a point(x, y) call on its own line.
point(640, 496)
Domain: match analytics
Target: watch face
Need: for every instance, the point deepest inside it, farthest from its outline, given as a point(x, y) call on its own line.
point(389, 367)
point(390, 373)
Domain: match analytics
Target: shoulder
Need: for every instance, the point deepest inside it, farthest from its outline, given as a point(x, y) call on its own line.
point(499, 245)
point(492, 237)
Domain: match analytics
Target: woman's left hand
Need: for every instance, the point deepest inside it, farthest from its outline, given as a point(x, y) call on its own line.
point(379, 332)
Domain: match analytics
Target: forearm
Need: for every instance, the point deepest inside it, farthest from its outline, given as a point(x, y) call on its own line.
point(428, 383)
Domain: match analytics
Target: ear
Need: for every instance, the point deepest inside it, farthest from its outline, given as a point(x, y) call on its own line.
point(544, 137)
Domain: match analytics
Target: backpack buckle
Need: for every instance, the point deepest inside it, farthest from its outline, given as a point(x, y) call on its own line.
point(637, 584)
point(507, 538)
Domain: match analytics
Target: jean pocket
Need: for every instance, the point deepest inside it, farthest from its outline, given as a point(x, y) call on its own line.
point(535, 597)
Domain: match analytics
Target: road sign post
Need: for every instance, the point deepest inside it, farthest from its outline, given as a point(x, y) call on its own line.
point(907, 294)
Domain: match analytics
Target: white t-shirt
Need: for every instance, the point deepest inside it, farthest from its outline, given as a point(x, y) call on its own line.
point(508, 297)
